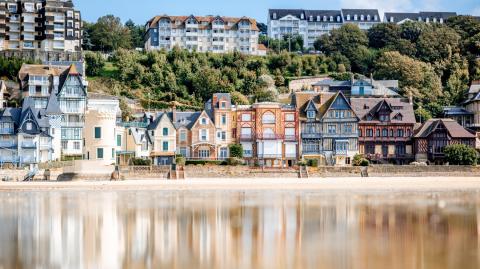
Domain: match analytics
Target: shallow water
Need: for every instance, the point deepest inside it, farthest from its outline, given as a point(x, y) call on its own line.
point(268, 229)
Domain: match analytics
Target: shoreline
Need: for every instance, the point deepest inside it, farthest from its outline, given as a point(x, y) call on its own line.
point(314, 184)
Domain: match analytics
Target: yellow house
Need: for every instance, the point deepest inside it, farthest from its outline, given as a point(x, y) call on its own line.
point(163, 135)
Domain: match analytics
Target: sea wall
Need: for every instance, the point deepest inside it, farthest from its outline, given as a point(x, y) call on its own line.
point(199, 171)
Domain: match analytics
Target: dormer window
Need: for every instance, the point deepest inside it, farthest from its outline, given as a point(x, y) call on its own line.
point(203, 121)
point(311, 18)
point(434, 19)
point(311, 114)
point(318, 18)
point(274, 16)
point(441, 20)
point(355, 17)
point(302, 16)
point(324, 18)
point(427, 20)
point(419, 18)
point(369, 18)
point(29, 126)
point(375, 18)
point(339, 19)
point(331, 18)
point(392, 19)
point(362, 17)
point(348, 17)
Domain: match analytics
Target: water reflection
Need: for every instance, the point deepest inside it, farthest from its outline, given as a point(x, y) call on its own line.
point(238, 230)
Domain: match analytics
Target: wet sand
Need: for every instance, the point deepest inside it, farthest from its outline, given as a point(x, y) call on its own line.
point(318, 184)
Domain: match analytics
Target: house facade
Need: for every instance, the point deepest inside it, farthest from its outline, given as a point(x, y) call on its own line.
point(434, 135)
point(203, 34)
point(221, 110)
point(163, 135)
point(386, 129)
point(203, 137)
point(100, 129)
point(268, 133)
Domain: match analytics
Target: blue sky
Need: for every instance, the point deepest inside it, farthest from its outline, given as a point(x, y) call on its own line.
point(142, 10)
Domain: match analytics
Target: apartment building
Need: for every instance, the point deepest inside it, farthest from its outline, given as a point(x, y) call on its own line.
point(100, 128)
point(203, 34)
point(30, 26)
point(427, 17)
point(268, 133)
point(62, 85)
point(311, 24)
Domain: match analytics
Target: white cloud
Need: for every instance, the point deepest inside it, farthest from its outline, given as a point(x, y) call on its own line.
point(393, 5)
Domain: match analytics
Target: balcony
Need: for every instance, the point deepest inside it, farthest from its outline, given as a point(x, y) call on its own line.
point(45, 146)
point(246, 137)
point(311, 135)
point(8, 144)
point(9, 159)
point(28, 159)
point(291, 155)
point(73, 110)
point(6, 131)
point(269, 137)
point(133, 124)
point(270, 156)
point(73, 124)
point(290, 138)
point(29, 145)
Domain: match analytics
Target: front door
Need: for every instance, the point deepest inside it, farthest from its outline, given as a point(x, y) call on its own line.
point(385, 151)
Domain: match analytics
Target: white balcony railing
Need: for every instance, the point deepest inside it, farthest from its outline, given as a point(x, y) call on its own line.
point(28, 144)
point(8, 144)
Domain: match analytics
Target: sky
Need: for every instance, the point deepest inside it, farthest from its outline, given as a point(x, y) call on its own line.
point(142, 10)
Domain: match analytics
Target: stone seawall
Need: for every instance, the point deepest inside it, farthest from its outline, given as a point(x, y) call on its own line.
point(198, 171)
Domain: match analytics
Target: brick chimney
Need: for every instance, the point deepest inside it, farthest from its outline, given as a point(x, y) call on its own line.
point(174, 113)
point(410, 97)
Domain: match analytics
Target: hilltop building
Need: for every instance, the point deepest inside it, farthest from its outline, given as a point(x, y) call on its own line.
point(427, 17)
point(203, 34)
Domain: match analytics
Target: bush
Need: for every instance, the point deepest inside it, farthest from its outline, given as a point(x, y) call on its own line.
point(234, 161)
point(302, 163)
point(180, 160)
point(236, 151)
point(205, 162)
point(141, 162)
point(95, 63)
point(364, 162)
point(460, 154)
point(312, 163)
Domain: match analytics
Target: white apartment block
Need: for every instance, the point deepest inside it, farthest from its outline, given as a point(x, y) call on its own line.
point(427, 17)
point(203, 34)
point(311, 24)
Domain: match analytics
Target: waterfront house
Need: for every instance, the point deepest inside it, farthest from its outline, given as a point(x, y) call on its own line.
point(132, 141)
point(329, 129)
point(183, 122)
point(100, 128)
point(434, 135)
point(24, 136)
point(268, 133)
point(385, 129)
point(66, 84)
point(221, 110)
point(163, 135)
point(203, 137)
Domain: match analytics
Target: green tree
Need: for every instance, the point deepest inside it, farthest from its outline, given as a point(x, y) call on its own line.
point(422, 115)
point(384, 35)
point(95, 63)
point(437, 43)
point(109, 34)
point(136, 34)
point(460, 154)
point(236, 151)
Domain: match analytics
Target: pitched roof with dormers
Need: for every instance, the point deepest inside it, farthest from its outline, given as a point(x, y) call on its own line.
point(205, 22)
point(366, 108)
point(454, 129)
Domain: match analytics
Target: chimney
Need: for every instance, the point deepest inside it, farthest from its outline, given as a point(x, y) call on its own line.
point(410, 97)
point(174, 113)
point(371, 79)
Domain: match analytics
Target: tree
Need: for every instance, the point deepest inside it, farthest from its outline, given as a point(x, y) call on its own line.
point(95, 63)
point(109, 34)
point(236, 151)
point(422, 115)
point(437, 43)
point(384, 35)
point(460, 154)
point(415, 76)
point(263, 28)
point(136, 34)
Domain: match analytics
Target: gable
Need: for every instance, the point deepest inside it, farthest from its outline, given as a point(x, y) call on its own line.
point(67, 82)
point(198, 124)
point(311, 106)
point(340, 103)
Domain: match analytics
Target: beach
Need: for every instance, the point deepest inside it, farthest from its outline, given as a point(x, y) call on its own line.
point(326, 184)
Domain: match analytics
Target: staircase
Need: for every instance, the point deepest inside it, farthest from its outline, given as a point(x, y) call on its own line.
point(303, 172)
point(177, 173)
point(181, 172)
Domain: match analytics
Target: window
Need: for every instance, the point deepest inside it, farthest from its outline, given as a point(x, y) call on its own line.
point(332, 129)
point(203, 135)
point(76, 145)
point(204, 153)
point(391, 132)
point(223, 153)
point(113, 154)
point(223, 104)
point(224, 119)
point(64, 145)
point(99, 153)
point(165, 131)
point(183, 151)
point(203, 121)
point(347, 128)
point(246, 117)
point(268, 118)
point(359, 132)
point(165, 146)
point(384, 132)
point(291, 117)
point(311, 114)
point(223, 136)
point(119, 140)
point(183, 135)
point(98, 132)
point(246, 132)
point(378, 133)
point(400, 133)
point(29, 126)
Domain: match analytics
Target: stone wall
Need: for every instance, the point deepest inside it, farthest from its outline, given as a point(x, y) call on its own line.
point(221, 171)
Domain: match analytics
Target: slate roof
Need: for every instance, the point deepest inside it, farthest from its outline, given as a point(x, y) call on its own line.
point(78, 65)
point(359, 12)
point(364, 106)
point(154, 124)
point(53, 107)
point(280, 13)
point(454, 129)
point(399, 16)
point(452, 111)
point(186, 119)
point(382, 88)
point(316, 14)
point(302, 99)
point(200, 19)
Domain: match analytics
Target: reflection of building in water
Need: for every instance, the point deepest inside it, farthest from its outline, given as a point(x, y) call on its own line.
point(186, 230)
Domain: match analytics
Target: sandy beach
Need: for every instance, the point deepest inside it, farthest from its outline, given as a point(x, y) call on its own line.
point(326, 184)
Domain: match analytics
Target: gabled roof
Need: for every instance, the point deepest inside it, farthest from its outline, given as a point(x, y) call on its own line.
point(205, 22)
point(71, 71)
point(154, 124)
point(185, 119)
point(454, 129)
point(373, 13)
point(330, 102)
point(364, 106)
point(53, 107)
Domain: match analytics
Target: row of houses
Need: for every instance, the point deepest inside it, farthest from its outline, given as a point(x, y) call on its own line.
point(327, 124)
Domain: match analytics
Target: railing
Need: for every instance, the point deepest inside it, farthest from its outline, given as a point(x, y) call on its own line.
point(290, 155)
point(133, 124)
point(8, 144)
point(28, 159)
point(9, 159)
point(262, 136)
point(268, 121)
point(269, 156)
point(246, 137)
point(311, 135)
point(45, 146)
point(73, 124)
point(6, 130)
point(290, 138)
point(28, 144)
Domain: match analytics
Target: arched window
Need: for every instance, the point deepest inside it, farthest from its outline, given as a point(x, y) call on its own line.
point(384, 132)
point(268, 118)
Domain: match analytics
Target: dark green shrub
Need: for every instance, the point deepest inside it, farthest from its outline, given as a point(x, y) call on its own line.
point(364, 162)
point(312, 162)
point(460, 154)
point(236, 151)
point(141, 162)
point(180, 160)
point(234, 161)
